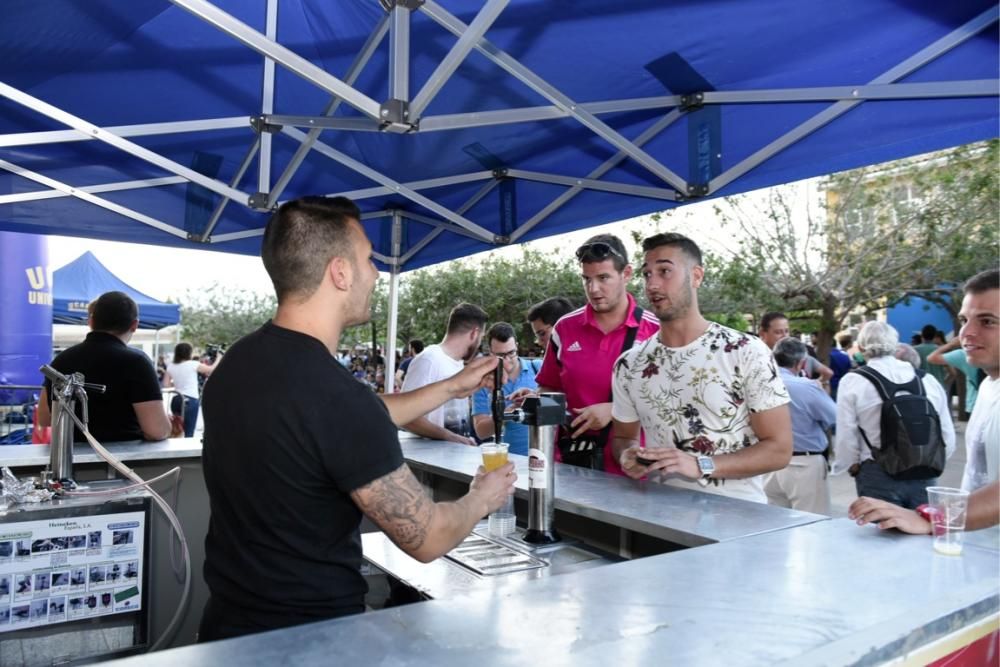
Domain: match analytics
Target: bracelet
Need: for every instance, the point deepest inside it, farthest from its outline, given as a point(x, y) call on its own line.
point(928, 513)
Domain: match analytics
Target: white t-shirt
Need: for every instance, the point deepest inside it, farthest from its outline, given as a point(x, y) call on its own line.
point(699, 398)
point(185, 377)
point(433, 365)
point(982, 438)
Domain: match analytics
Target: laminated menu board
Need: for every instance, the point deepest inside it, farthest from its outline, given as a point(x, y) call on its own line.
point(71, 568)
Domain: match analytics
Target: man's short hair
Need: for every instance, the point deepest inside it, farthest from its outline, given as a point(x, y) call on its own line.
point(845, 341)
point(789, 351)
point(618, 256)
point(687, 246)
point(928, 332)
point(983, 282)
point(465, 317)
point(765, 321)
point(300, 240)
point(550, 310)
point(501, 332)
point(878, 339)
point(114, 312)
point(416, 345)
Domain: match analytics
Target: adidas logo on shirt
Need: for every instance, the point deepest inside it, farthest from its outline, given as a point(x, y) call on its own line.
point(575, 347)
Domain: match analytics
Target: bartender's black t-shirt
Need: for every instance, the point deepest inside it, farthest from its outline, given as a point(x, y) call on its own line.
point(130, 378)
point(288, 435)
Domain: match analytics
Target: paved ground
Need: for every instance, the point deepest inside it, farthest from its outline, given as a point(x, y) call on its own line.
point(842, 490)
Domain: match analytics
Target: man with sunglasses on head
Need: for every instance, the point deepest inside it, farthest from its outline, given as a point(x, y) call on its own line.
point(520, 382)
point(584, 345)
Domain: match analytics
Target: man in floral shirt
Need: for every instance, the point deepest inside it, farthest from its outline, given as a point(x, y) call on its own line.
point(710, 400)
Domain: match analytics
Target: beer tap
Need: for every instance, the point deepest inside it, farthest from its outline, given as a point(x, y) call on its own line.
point(499, 403)
point(66, 391)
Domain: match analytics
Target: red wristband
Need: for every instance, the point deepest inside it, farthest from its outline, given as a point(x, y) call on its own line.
point(928, 513)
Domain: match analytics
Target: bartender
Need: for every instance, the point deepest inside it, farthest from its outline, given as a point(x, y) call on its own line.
point(131, 408)
point(296, 450)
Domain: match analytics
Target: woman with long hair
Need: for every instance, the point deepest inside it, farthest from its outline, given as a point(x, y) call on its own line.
point(182, 375)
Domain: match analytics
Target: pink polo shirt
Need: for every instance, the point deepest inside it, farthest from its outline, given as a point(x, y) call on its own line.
point(580, 358)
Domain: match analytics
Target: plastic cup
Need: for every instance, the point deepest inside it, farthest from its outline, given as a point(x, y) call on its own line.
point(948, 511)
point(501, 522)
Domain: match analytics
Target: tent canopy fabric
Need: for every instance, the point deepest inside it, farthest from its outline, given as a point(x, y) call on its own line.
point(462, 125)
point(85, 278)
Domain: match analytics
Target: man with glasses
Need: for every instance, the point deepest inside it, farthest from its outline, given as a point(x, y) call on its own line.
point(584, 345)
point(543, 316)
point(521, 382)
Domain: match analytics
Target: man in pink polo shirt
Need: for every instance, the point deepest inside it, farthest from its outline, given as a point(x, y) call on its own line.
point(584, 345)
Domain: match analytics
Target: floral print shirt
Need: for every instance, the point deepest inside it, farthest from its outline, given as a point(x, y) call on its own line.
point(699, 398)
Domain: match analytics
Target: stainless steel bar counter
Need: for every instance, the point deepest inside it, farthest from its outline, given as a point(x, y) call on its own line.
point(16, 456)
point(827, 593)
point(761, 586)
point(679, 516)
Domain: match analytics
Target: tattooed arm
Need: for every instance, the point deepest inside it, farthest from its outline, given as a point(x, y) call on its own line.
point(422, 528)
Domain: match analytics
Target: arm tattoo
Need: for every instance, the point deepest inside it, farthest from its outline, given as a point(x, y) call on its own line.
point(398, 504)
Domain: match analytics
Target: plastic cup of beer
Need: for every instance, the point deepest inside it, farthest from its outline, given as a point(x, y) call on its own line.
point(949, 508)
point(494, 455)
point(502, 521)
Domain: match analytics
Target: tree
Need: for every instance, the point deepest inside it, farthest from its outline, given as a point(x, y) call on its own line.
point(504, 288)
point(912, 227)
point(221, 315)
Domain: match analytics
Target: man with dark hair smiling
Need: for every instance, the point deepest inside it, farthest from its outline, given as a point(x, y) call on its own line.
point(583, 348)
point(295, 452)
point(709, 399)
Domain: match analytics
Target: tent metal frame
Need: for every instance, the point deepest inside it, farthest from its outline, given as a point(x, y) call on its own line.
point(401, 113)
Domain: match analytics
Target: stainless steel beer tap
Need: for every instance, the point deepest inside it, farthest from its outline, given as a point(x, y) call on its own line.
point(66, 391)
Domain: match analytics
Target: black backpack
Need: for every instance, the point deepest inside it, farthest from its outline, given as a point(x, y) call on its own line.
point(912, 446)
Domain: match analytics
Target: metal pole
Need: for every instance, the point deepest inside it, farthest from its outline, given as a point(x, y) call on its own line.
point(390, 354)
point(396, 250)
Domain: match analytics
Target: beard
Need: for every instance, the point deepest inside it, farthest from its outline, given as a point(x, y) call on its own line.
point(471, 353)
point(676, 308)
point(363, 312)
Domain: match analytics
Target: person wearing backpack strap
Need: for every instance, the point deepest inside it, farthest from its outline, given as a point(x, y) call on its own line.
point(894, 428)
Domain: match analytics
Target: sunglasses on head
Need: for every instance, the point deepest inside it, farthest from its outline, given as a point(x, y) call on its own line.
point(598, 251)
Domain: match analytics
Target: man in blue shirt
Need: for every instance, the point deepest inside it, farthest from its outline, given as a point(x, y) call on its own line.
point(840, 364)
point(803, 485)
point(521, 374)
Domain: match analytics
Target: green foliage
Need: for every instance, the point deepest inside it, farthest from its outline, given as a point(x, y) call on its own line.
point(222, 315)
point(914, 227)
point(504, 288)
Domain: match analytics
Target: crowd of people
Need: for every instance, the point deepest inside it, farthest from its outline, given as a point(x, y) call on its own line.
point(661, 394)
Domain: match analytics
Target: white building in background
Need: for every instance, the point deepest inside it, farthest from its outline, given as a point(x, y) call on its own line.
point(151, 342)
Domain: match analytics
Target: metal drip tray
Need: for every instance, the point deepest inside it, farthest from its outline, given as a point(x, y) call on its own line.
point(489, 558)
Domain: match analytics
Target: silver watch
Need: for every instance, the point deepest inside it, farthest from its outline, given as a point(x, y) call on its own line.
point(707, 467)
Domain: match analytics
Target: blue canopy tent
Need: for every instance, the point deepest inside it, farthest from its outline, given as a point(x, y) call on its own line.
point(460, 125)
point(85, 278)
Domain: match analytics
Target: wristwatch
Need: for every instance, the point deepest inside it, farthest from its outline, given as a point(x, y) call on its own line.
point(707, 467)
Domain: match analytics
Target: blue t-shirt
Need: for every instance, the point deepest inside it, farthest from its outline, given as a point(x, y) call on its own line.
point(516, 435)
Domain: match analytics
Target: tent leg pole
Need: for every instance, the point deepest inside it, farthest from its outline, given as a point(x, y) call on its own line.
point(390, 345)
